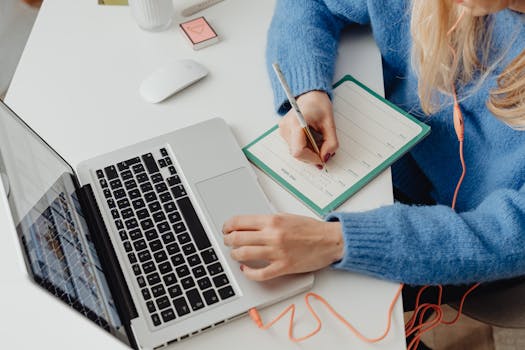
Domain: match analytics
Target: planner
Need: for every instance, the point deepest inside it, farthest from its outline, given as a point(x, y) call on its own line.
point(372, 132)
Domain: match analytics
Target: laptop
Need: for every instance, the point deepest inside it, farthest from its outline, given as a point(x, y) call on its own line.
point(132, 239)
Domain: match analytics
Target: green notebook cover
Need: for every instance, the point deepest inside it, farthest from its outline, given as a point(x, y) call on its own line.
point(425, 130)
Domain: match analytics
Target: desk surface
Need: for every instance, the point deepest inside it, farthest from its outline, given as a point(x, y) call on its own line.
point(77, 86)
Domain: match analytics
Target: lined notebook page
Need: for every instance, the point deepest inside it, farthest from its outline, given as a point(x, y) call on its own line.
point(371, 133)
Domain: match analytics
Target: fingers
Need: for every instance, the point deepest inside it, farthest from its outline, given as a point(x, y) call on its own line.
point(244, 238)
point(245, 223)
point(293, 134)
point(253, 253)
point(262, 274)
point(330, 142)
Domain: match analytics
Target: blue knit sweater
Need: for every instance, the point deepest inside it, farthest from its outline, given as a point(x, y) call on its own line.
point(419, 244)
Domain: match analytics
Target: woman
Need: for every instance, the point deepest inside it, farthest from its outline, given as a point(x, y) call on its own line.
point(428, 243)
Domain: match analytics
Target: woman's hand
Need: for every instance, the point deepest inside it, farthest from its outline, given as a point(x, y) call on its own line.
point(33, 3)
point(289, 243)
point(318, 113)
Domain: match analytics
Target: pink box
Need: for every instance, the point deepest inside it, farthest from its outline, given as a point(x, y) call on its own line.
point(199, 32)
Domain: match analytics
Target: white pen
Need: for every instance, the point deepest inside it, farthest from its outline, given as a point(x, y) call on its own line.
point(298, 113)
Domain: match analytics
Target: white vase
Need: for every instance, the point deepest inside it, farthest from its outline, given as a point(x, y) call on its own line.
point(152, 15)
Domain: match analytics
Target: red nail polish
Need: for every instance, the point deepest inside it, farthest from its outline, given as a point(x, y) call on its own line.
point(327, 157)
point(241, 267)
point(333, 154)
point(319, 166)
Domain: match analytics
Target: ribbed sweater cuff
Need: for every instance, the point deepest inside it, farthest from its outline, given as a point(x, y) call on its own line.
point(367, 243)
point(301, 79)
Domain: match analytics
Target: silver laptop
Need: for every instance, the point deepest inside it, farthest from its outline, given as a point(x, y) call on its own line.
point(132, 239)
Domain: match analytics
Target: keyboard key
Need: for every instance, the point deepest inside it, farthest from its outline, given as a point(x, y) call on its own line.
point(100, 174)
point(173, 249)
point(132, 258)
point(146, 294)
point(135, 234)
point(151, 235)
point(195, 299)
point(148, 267)
point(182, 271)
point(115, 214)
point(188, 249)
point(138, 168)
point(173, 180)
point(160, 256)
point(154, 206)
point(165, 197)
point(119, 225)
point(115, 184)
point(141, 281)
point(142, 177)
point(103, 183)
point(155, 245)
point(120, 193)
point(162, 163)
point(132, 161)
point(168, 238)
point(126, 175)
point(123, 235)
point(144, 256)
point(159, 217)
point(157, 178)
point(111, 203)
point(107, 193)
point(158, 290)
point(194, 225)
point(131, 224)
point(175, 291)
point(151, 165)
point(220, 281)
point(174, 217)
point(136, 269)
point(165, 267)
point(177, 259)
point(123, 203)
point(194, 260)
point(150, 197)
point(209, 256)
point(140, 245)
point(163, 303)
point(163, 152)
point(130, 184)
point(172, 169)
point(153, 279)
point(138, 204)
point(155, 319)
point(146, 224)
point(184, 238)
point(161, 187)
point(187, 282)
point(111, 172)
point(134, 194)
point(215, 269)
point(142, 214)
point(170, 279)
point(122, 166)
point(151, 306)
point(226, 292)
point(163, 227)
point(181, 306)
point(169, 207)
point(168, 315)
point(127, 214)
point(168, 161)
point(199, 271)
point(179, 227)
point(178, 191)
point(127, 247)
point(204, 283)
point(210, 296)
point(146, 187)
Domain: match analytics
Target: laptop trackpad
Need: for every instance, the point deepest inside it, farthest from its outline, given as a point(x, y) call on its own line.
point(230, 194)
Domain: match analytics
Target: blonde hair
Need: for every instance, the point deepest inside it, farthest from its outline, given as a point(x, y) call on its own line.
point(437, 70)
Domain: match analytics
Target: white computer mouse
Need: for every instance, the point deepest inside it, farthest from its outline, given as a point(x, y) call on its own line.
point(170, 79)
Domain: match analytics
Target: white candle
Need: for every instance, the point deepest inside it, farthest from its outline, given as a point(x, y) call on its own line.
point(152, 15)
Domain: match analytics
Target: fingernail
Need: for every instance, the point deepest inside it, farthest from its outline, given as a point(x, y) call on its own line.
point(327, 157)
point(333, 154)
point(319, 166)
point(241, 267)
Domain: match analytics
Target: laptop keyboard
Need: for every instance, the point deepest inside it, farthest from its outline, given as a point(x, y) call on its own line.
point(175, 265)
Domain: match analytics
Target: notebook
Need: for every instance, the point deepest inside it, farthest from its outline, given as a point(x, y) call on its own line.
point(372, 132)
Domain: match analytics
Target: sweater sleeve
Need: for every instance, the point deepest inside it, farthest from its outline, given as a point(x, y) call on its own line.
point(435, 245)
point(303, 38)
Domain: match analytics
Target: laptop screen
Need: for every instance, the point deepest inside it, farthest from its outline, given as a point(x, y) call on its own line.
point(56, 243)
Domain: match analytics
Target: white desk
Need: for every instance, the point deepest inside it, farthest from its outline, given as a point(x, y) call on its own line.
point(77, 85)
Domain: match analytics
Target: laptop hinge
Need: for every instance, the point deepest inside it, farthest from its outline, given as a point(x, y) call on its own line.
point(108, 259)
